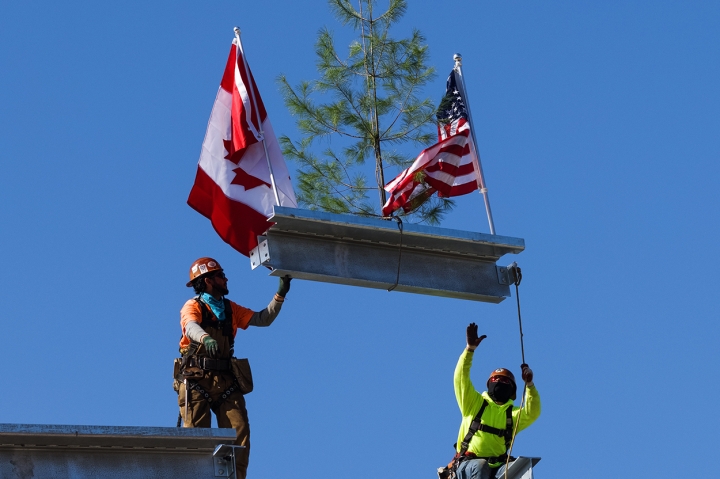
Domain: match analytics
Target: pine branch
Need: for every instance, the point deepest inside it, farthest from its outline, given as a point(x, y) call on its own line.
point(368, 101)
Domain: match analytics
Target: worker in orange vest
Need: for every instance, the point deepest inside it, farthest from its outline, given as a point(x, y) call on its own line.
point(215, 379)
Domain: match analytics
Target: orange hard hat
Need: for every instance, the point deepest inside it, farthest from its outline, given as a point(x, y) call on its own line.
point(202, 267)
point(502, 372)
point(505, 373)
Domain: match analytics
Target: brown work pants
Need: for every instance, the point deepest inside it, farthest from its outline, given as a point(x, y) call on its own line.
point(231, 413)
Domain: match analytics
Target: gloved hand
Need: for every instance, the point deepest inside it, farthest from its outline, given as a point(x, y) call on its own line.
point(211, 346)
point(527, 374)
point(284, 286)
point(472, 338)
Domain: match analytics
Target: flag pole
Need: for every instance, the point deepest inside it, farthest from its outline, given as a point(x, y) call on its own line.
point(481, 178)
point(257, 114)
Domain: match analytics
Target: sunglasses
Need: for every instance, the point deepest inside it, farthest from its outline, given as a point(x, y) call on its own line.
point(500, 379)
point(220, 275)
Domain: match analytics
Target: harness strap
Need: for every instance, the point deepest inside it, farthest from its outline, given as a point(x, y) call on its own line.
point(477, 425)
point(493, 430)
point(508, 430)
point(226, 325)
point(474, 425)
point(193, 385)
point(214, 405)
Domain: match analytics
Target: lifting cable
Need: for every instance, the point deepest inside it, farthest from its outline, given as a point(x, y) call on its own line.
point(397, 278)
point(517, 278)
point(516, 275)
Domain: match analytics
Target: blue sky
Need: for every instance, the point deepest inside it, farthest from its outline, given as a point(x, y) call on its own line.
point(598, 126)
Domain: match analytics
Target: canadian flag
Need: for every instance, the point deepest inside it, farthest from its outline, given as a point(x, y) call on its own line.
point(232, 186)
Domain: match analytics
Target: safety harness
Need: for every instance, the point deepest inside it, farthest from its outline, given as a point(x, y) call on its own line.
point(214, 405)
point(209, 364)
point(477, 425)
point(208, 322)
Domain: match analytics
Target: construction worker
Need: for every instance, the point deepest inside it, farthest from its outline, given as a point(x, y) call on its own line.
point(487, 449)
point(209, 323)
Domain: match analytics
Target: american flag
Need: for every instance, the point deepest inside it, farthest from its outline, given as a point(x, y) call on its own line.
point(447, 167)
point(452, 112)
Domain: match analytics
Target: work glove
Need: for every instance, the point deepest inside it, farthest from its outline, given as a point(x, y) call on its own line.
point(527, 374)
point(211, 346)
point(284, 286)
point(472, 338)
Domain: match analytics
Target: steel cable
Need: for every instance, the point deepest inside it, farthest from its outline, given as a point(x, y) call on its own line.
point(397, 278)
point(517, 278)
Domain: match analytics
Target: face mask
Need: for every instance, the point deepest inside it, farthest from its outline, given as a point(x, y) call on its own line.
point(500, 392)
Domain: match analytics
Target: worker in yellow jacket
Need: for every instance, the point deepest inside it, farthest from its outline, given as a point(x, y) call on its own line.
point(488, 447)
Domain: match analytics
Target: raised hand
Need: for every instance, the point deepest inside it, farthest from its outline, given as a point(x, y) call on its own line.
point(472, 336)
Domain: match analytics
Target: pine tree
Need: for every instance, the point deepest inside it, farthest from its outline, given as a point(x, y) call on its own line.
point(371, 107)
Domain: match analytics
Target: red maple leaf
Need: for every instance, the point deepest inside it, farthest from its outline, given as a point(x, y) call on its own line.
point(246, 180)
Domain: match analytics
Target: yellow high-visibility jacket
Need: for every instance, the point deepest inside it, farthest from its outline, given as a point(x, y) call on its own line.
point(484, 444)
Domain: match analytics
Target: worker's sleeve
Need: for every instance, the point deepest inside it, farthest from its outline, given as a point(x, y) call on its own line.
point(267, 315)
point(190, 319)
point(465, 392)
point(194, 331)
point(531, 409)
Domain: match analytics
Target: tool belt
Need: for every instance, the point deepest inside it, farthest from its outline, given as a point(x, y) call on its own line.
point(242, 380)
point(189, 367)
point(209, 364)
point(193, 368)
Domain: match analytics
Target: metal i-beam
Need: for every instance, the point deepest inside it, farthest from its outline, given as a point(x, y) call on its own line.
point(376, 253)
point(53, 451)
point(520, 468)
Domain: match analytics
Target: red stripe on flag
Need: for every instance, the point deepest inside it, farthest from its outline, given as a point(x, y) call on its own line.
point(451, 169)
point(236, 223)
point(457, 150)
point(446, 191)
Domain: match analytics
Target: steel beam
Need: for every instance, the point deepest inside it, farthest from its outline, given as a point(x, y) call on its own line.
point(376, 253)
point(520, 468)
